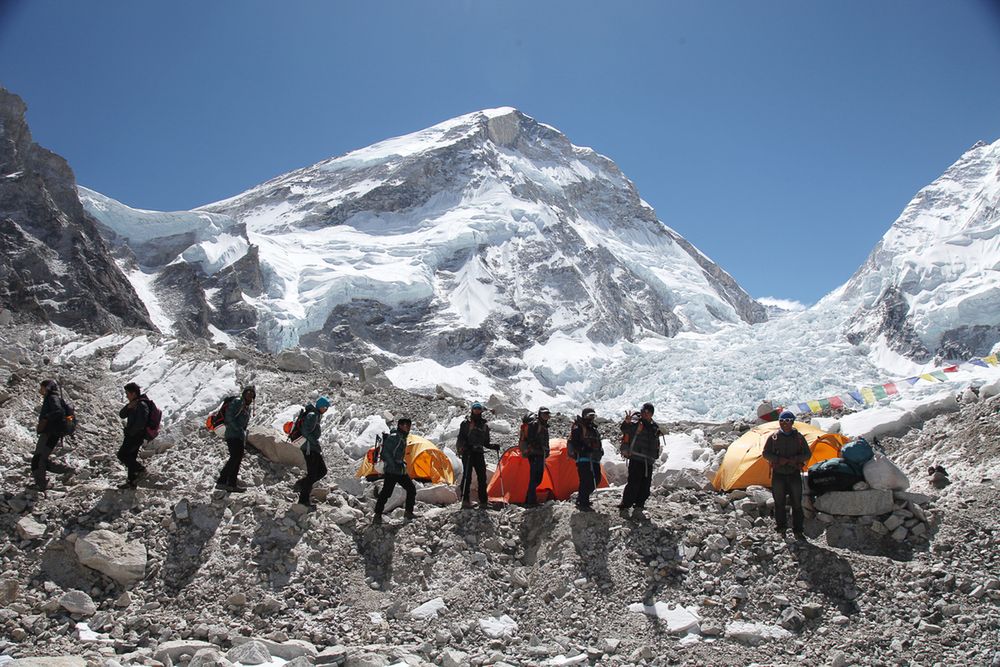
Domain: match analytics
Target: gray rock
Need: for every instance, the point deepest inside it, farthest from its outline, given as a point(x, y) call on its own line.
point(286, 650)
point(366, 659)
point(294, 361)
point(29, 529)
point(174, 649)
point(9, 590)
point(454, 658)
point(113, 555)
point(792, 619)
point(49, 661)
point(252, 652)
point(812, 610)
point(78, 602)
point(209, 657)
point(855, 503)
point(332, 655)
point(276, 449)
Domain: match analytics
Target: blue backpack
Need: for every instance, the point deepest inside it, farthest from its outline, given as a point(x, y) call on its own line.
point(857, 453)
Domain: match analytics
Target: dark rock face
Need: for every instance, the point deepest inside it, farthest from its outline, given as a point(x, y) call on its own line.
point(54, 266)
point(230, 311)
point(181, 293)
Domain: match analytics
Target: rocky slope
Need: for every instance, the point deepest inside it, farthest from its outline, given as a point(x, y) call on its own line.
point(54, 266)
point(510, 586)
point(932, 284)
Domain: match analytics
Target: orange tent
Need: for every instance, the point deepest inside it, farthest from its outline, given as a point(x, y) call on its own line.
point(744, 464)
point(560, 479)
point(424, 462)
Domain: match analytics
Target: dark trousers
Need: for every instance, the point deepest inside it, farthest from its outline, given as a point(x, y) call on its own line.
point(536, 470)
point(232, 467)
point(128, 454)
point(474, 461)
point(640, 476)
point(315, 471)
point(782, 486)
point(389, 484)
point(40, 462)
point(590, 475)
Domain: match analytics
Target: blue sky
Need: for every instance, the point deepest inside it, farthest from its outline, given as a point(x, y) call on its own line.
point(781, 138)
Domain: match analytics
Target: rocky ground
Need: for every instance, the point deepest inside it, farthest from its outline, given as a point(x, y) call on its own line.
point(511, 586)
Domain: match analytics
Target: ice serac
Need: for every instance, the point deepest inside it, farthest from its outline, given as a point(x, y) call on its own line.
point(931, 287)
point(54, 265)
point(473, 239)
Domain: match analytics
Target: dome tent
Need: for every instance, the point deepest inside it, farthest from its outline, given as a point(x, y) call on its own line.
point(424, 462)
point(560, 479)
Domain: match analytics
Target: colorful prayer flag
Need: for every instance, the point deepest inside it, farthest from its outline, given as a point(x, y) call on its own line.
point(868, 395)
point(950, 369)
point(890, 388)
point(803, 407)
point(979, 362)
point(929, 377)
point(824, 403)
point(879, 392)
point(814, 406)
point(836, 402)
point(856, 395)
point(991, 360)
point(939, 375)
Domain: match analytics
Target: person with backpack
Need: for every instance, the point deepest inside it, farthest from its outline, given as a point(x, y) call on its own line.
point(311, 450)
point(136, 415)
point(473, 441)
point(641, 446)
point(534, 446)
point(51, 427)
point(787, 451)
point(584, 446)
point(237, 419)
point(394, 459)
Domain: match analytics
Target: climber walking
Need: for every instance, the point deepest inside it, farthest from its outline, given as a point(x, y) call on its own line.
point(394, 458)
point(237, 419)
point(311, 450)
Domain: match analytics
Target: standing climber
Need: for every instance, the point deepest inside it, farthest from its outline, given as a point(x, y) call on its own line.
point(473, 440)
point(311, 450)
point(585, 447)
point(237, 418)
point(136, 414)
point(394, 457)
point(535, 448)
point(787, 451)
point(641, 446)
point(50, 429)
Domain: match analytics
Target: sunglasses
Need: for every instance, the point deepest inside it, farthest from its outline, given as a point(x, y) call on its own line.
point(788, 421)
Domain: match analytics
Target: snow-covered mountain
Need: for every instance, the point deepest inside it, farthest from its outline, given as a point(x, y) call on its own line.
point(931, 287)
point(472, 240)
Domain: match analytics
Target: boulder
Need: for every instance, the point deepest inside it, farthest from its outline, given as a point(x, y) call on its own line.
point(855, 503)
point(429, 609)
point(352, 486)
point(451, 657)
point(438, 494)
point(288, 650)
point(294, 361)
point(49, 661)
point(881, 473)
point(29, 529)
point(333, 655)
point(209, 657)
point(252, 652)
point(755, 633)
point(372, 374)
point(78, 602)
point(276, 449)
point(113, 555)
point(173, 650)
point(9, 590)
point(6, 317)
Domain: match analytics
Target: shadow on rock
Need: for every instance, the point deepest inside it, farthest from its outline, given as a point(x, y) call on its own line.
point(591, 535)
point(377, 545)
point(273, 541)
point(111, 505)
point(186, 551)
point(536, 524)
point(474, 526)
point(59, 564)
point(658, 549)
point(827, 573)
point(863, 539)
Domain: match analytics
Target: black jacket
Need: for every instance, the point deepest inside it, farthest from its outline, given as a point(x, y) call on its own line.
point(644, 439)
point(791, 446)
point(473, 436)
point(52, 416)
point(536, 442)
point(585, 441)
point(136, 415)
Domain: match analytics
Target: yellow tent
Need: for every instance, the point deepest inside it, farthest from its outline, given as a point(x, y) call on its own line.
point(424, 462)
point(744, 464)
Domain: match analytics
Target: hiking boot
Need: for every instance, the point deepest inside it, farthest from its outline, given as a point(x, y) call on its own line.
point(623, 512)
point(297, 487)
point(466, 505)
point(585, 508)
point(222, 486)
point(482, 507)
point(377, 520)
point(409, 516)
point(127, 484)
point(782, 532)
point(799, 536)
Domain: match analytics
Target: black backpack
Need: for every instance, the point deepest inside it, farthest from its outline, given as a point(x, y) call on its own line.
point(294, 427)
